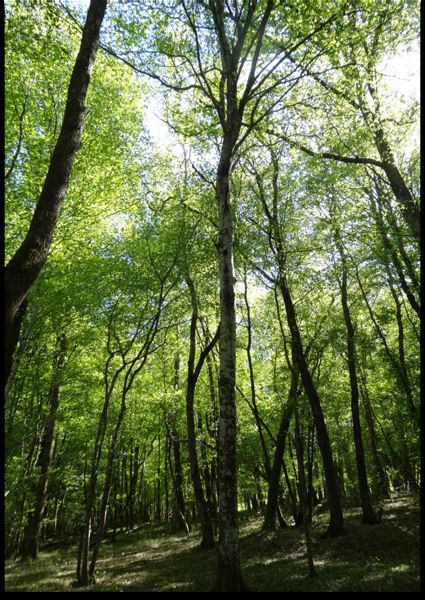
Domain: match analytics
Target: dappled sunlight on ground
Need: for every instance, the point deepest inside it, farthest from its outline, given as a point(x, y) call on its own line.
point(368, 558)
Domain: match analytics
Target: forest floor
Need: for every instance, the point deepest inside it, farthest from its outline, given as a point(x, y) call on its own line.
point(369, 558)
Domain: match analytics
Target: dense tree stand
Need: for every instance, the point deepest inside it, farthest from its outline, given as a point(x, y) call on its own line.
point(212, 280)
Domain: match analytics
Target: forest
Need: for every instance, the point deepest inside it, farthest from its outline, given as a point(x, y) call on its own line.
point(212, 295)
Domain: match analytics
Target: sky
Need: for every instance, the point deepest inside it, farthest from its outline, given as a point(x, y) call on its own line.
point(402, 73)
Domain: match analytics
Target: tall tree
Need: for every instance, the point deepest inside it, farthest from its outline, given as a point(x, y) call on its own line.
point(369, 516)
point(277, 244)
point(24, 267)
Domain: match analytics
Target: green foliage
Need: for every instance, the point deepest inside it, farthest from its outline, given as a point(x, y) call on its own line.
point(138, 220)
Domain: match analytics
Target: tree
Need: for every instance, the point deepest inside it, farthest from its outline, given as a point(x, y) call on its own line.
point(24, 267)
point(193, 372)
point(32, 531)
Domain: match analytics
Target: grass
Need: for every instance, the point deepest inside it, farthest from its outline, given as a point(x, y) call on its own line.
point(369, 558)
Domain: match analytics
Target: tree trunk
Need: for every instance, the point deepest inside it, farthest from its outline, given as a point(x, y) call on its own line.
point(90, 493)
point(369, 516)
point(179, 506)
point(409, 209)
point(229, 576)
point(25, 266)
point(253, 404)
point(391, 255)
point(299, 447)
point(273, 487)
point(381, 476)
point(336, 523)
point(12, 359)
point(106, 490)
point(32, 531)
point(90, 497)
point(414, 411)
point(398, 368)
point(192, 377)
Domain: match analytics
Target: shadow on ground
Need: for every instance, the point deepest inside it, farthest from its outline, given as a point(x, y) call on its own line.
point(374, 558)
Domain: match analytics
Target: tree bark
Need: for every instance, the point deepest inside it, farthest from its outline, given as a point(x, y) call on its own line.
point(229, 576)
point(24, 267)
point(400, 373)
point(336, 524)
point(409, 210)
point(32, 531)
point(179, 505)
point(404, 374)
point(390, 252)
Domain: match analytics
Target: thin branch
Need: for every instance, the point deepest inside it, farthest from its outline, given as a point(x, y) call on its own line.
point(20, 138)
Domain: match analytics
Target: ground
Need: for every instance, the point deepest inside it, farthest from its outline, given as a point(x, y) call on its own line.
point(369, 558)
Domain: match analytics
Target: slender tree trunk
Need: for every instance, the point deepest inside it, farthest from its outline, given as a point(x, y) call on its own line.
point(180, 516)
point(192, 377)
point(158, 484)
point(179, 506)
point(291, 495)
point(32, 531)
point(11, 369)
point(398, 368)
point(253, 403)
point(273, 487)
point(311, 494)
point(299, 446)
point(106, 490)
point(25, 266)
point(134, 476)
point(212, 491)
point(167, 462)
point(384, 201)
point(381, 476)
point(369, 516)
point(90, 497)
point(336, 523)
point(408, 207)
point(414, 412)
point(391, 256)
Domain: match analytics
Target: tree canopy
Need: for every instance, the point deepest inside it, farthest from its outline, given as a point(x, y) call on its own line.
point(225, 319)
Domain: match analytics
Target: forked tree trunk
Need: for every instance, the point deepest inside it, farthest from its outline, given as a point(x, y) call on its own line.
point(26, 264)
point(192, 378)
point(336, 524)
